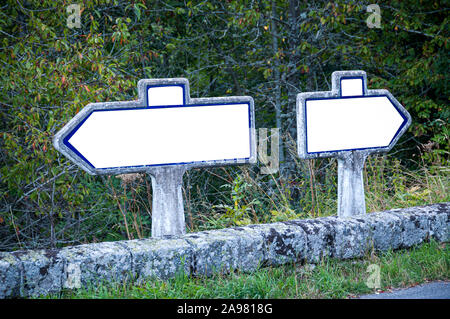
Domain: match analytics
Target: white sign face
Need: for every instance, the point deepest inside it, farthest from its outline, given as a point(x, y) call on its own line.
point(348, 118)
point(165, 95)
point(347, 124)
point(163, 127)
point(352, 87)
point(173, 135)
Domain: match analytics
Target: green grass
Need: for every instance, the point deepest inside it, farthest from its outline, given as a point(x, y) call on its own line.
point(331, 278)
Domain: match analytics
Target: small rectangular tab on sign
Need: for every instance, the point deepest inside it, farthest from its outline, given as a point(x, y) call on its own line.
point(352, 87)
point(165, 95)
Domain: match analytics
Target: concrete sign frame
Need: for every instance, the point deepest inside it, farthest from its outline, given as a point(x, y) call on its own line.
point(351, 160)
point(168, 208)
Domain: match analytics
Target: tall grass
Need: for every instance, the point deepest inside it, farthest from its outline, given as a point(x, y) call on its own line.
point(234, 196)
point(245, 196)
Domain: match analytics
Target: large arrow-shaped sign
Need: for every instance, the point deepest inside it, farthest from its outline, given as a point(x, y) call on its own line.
point(164, 127)
point(349, 122)
point(163, 133)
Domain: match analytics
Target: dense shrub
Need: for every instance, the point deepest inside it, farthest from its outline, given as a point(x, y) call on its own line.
point(270, 50)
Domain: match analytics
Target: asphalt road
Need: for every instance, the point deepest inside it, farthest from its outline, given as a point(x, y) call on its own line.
point(433, 290)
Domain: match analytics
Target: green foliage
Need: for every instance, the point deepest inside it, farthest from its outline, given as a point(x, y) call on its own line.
point(270, 50)
point(238, 212)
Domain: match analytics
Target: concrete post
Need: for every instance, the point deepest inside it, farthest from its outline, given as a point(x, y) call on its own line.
point(351, 200)
point(167, 203)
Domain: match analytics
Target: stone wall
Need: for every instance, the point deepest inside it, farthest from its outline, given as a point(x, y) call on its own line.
point(37, 272)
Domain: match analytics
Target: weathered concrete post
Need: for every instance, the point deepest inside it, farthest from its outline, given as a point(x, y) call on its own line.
point(163, 133)
point(349, 123)
point(167, 201)
point(351, 199)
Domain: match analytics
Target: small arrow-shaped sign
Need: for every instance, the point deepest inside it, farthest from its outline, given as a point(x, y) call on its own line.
point(163, 133)
point(348, 118)
point(349, 122)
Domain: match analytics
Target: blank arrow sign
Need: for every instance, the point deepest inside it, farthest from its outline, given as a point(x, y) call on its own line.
point(339, 124)
point(349, 122)
point(163, 127)
point(169, 135)
point(348, 118)
point(163, 133)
